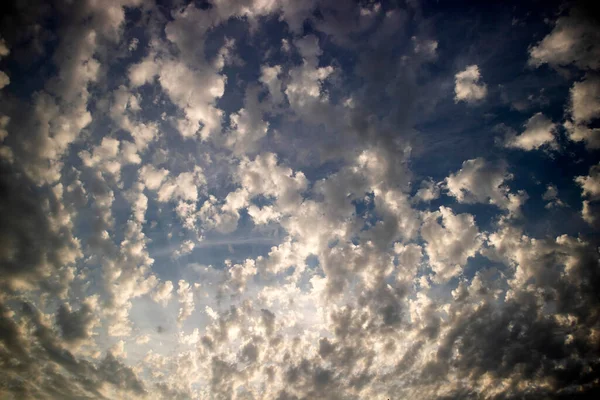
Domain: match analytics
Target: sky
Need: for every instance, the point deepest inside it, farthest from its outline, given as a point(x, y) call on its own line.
point(280, 199)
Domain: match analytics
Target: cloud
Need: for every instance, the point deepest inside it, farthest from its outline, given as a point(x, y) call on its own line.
point(480, 181)
point(76, 326)
point(212, 202)
point(451, 243)
point(181, 187)
point(428, 191)
point(590, 184)
point(468, 86)
point(584, 109)
point(247, 125)
point(425, 47)
point(4, 79)
point(573, 40)
point(590, 189)
point(585, 100)
point(151, 177)
point(551, 196)
point(110, 156)
point(35, 219)
point(539, 131)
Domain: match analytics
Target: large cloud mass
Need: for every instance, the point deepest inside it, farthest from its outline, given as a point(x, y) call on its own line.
point(298, 199)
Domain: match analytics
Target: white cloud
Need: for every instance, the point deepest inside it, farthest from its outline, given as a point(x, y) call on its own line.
point(468, 86)
point(270, 78)
point(590, 184)
point(480, 181)
point(590, 212)
point(152, 177)
point(428, 191)
point(585, 100)
point(247, 126)
point(451, 243)
point(539, 131)
point(163, 292)
point(185, 296)
point(359, 296)
point(182, 187)
point(304, 89)
point(110, 156)
point(582, 133)
point(590, 188)
point(574, 39)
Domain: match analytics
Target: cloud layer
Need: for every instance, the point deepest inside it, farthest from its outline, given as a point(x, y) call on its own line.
point(297, 200)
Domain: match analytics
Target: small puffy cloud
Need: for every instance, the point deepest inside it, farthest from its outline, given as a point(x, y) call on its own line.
point(163, 292)
point(110, 156)
point(118, 350)
point(151, 177)
point(142, 339)
point(590, 188)
point(585, 100)
point(4, 50)
point(583, 133)
point(270, 78)
point(468, 86)
point(425, 47)
point(584, 108)
point(247, 126)
point(428, 191)
point(451, 243)
point(410, 257)
point(185, 296)
point(575, 39)
point(480, 181)
point(590, 184)
point(539, 131)
point(551, 197)
point(182, 187)
point(590, 212)
point(305, 86)
point(4, 79)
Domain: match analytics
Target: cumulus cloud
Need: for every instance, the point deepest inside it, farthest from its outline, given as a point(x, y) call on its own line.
point(551, 196)
point(219, 205)
point(585, 100)
point(428, 191)
point(539, 131)
point(185, 296)
point(480, 181)
point(451, 243)
point(585, 109)
point(468, 86)
point(181, 187)
point(574, 39)
point(590, 184)
point(590, 190)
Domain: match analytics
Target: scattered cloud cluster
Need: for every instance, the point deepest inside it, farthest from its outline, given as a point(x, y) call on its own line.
point(287, 200)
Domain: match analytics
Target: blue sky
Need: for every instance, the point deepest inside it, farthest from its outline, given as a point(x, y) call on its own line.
point(267, 199)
